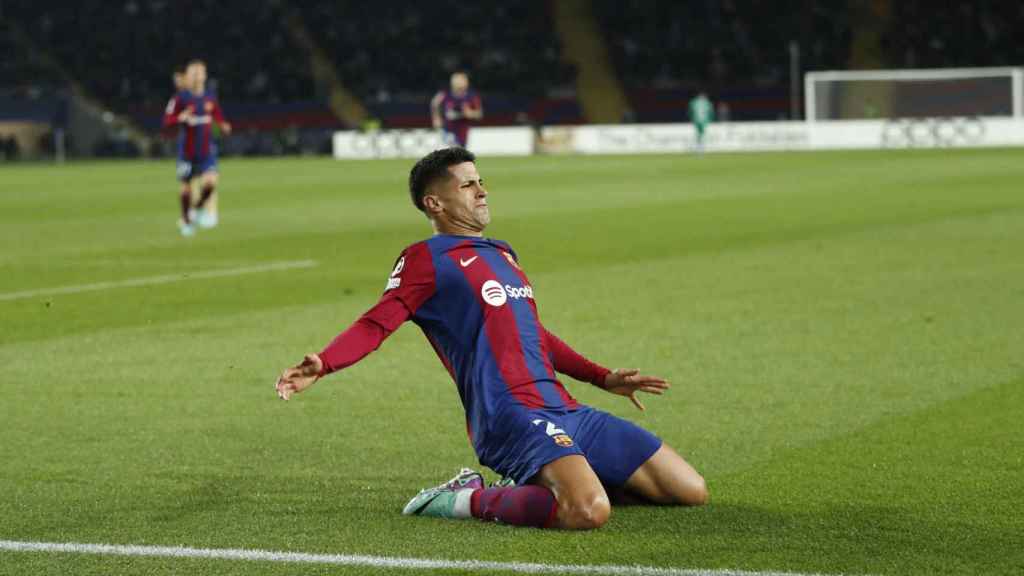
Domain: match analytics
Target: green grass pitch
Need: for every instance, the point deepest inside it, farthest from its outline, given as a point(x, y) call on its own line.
point(844, 333)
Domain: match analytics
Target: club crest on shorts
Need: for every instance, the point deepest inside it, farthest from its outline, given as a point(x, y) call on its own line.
point(562, 440)
point(556, 433)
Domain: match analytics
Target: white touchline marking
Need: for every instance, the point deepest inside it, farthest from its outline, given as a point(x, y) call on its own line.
point(371, 561)
point(165, 279)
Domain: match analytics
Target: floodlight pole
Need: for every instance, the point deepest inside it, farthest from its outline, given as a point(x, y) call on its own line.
point(59, 150)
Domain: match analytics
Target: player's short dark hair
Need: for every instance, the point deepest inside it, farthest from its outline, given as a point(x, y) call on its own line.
point(434, 167)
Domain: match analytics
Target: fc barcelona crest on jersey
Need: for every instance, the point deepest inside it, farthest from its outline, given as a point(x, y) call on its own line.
point(510, 259)
point(209, 106)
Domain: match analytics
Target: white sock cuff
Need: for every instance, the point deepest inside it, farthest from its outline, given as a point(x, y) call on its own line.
point(462, 504)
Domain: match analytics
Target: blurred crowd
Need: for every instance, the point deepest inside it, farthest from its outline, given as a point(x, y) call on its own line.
point(386, 48)
point(960, 34)
point(122, 52)
point(717, 43)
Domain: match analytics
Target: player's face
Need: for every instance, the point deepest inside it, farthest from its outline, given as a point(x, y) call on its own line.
point(196, 76)
point(464, 198)
point(460, 83)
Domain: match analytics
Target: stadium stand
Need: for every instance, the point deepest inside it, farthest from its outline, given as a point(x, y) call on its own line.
point(985, 33)
point(508, 46)
point(661, 53)
point(665, 51)
point(127, 57)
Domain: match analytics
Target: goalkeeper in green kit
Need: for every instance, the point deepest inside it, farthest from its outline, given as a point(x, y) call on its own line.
point(702, 113)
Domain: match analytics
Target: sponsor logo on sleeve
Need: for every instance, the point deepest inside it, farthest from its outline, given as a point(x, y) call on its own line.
point(394, 281)
point(398, 267)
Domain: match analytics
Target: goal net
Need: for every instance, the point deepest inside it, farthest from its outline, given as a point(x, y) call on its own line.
point(941, 92)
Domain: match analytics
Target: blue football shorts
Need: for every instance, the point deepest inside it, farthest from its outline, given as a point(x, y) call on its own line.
point(196, 167)
point(521, 441)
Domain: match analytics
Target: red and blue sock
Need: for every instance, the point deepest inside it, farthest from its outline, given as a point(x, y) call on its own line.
point(186, 202)
point(205, 192)
point(528, 505)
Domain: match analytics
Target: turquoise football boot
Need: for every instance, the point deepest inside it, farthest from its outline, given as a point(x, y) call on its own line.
point(449, 500)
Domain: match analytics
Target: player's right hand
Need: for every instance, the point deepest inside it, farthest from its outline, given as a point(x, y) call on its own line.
point(628, 382)
point(185, 116)
point(299, 377)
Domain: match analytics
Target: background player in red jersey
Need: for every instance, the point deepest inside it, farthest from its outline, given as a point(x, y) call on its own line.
point(194, 110)
point(453, 110)
point(180, 81)
point(476, 307)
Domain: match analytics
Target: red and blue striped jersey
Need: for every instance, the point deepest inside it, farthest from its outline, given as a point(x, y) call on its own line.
point(452, 113)
point(195, 138)
point(476, 307)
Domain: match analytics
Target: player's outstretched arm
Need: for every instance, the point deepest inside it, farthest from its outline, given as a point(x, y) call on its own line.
point(218, 115)
point(628, 382)
point(474, 110)
point(299, 377)
point(409, 285)
point(435, 110)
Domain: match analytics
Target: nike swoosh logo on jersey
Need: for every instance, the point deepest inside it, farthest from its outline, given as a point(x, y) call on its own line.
point(468, 261)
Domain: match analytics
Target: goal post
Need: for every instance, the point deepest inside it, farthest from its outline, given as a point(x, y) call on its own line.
point(916, 93)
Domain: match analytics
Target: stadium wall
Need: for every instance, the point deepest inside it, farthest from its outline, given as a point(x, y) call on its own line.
point(963, 132)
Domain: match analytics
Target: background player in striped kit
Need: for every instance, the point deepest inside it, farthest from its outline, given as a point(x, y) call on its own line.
point(453, 110)
point(476, 307)
point(195, 110)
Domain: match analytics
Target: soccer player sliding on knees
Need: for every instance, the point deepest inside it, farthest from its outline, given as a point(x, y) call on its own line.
point(476, 307)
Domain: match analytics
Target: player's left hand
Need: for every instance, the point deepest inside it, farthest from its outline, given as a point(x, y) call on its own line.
point(225, 127)
point(628, 382)
point(299, 377)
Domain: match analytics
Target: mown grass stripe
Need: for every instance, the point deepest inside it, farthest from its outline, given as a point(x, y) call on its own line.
point(164, 279)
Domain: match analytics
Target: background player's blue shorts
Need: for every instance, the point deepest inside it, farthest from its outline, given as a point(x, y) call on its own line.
point(189, 169)
point(522, 441)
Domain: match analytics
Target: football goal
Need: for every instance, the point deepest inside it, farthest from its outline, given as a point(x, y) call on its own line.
point(931, 93)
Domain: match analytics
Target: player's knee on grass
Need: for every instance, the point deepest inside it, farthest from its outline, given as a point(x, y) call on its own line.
point(685, 488)
point(695, 491)
point(585, 512)
point(666, 478)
